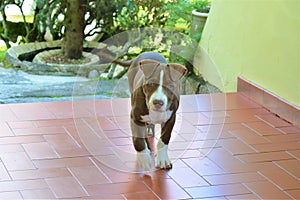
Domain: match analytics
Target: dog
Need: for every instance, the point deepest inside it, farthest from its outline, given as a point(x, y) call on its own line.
point(155, 91)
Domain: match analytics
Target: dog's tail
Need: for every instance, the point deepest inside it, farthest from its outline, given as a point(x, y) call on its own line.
point(124, 63)
point(110, 58)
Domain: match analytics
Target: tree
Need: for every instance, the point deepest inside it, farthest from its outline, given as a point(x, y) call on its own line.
point(74, 23)
point(68, 19)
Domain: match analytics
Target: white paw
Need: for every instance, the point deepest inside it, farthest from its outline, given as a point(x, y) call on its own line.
point(162, 160)
point(144, 159)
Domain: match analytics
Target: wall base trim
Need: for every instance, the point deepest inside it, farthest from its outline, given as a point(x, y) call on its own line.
point(270, 101)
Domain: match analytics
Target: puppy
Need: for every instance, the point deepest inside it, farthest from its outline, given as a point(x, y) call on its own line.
point(154, 87)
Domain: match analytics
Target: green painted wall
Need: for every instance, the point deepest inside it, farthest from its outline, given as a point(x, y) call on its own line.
point(257, 39)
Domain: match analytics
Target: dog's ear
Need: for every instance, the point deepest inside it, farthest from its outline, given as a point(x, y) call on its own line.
point(177, 71)
point(148, 66)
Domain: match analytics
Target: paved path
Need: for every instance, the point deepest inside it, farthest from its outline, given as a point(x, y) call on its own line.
point(17, 86)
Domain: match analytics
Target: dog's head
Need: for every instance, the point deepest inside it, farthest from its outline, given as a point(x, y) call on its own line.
point(161, 85)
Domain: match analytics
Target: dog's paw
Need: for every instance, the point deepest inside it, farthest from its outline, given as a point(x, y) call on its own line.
point(144, 159)
point(162, 160)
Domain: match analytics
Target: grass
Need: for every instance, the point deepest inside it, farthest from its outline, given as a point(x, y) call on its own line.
point(2, 53)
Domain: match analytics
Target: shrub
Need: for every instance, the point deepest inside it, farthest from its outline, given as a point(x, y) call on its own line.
point(180, 13)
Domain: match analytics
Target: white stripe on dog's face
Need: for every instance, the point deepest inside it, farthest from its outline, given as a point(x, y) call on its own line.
point(159, 95)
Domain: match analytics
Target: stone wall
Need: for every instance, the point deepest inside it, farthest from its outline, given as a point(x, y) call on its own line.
point(21, 56)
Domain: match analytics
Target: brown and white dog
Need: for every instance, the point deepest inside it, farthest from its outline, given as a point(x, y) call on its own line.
point(154, 87)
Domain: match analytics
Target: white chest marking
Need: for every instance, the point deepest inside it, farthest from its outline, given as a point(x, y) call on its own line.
point(157, 117)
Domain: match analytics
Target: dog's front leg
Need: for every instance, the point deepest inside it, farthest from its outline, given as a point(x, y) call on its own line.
point(162, 159)
point(141, 145)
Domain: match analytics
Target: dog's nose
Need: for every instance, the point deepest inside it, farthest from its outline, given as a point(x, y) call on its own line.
point(158, 103)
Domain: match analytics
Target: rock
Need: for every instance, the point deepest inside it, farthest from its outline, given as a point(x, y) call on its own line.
point(192, 85)
point(189, 86)
point(208, 88)
point(93, 74)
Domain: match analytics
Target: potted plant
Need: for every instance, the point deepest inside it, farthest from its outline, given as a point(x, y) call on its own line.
point(199, 17)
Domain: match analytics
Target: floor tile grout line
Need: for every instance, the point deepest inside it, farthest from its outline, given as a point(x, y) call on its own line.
point(289, 173)
point(11, 178)
point(268, 179)
point(276, 116)
point(20, 193)
point(270, 124)
point(266, 122)
point(281, 131)
point(220, 185)
point(70, 135)
point(10, 128)
point(28, 156)
point(240, 159)
point(272, 182)
point(265, 152)
point(46, 107)
point(287, 151)
point(197, 171)
point(285, 192)
point(251, 129)
point(248, 145)
point(233, 173)
point(53, 148)
point(184, 189)
point(252, 191)
point(50, 188)
point(77, 180)
point(150, 189)
point(232, 152)
point(221, 167)
point(16, 118)
point(14, 113)
point(100, 170)
point(124, 196)
point(232, 133)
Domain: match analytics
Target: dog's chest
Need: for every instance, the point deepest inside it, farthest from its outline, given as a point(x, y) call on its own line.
point(157, 117)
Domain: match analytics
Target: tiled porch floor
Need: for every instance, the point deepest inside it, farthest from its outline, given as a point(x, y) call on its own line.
point(224, 147)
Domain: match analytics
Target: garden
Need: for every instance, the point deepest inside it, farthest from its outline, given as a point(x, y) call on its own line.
point(54, 44)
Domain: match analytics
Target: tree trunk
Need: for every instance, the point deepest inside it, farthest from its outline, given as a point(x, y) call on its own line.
point(74, 35)
point(4, 36)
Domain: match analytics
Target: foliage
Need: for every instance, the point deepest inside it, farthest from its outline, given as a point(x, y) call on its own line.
point(106, 18)
point(51, 14)
point(100, 17)
point(139, 14)
point(103, 17)
point(5, 29)
point(180, 13)
point(2, 53)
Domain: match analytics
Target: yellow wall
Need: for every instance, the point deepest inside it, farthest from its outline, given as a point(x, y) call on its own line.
point(257, 39)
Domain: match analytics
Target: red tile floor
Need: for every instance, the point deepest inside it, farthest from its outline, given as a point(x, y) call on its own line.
point(224, 146)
